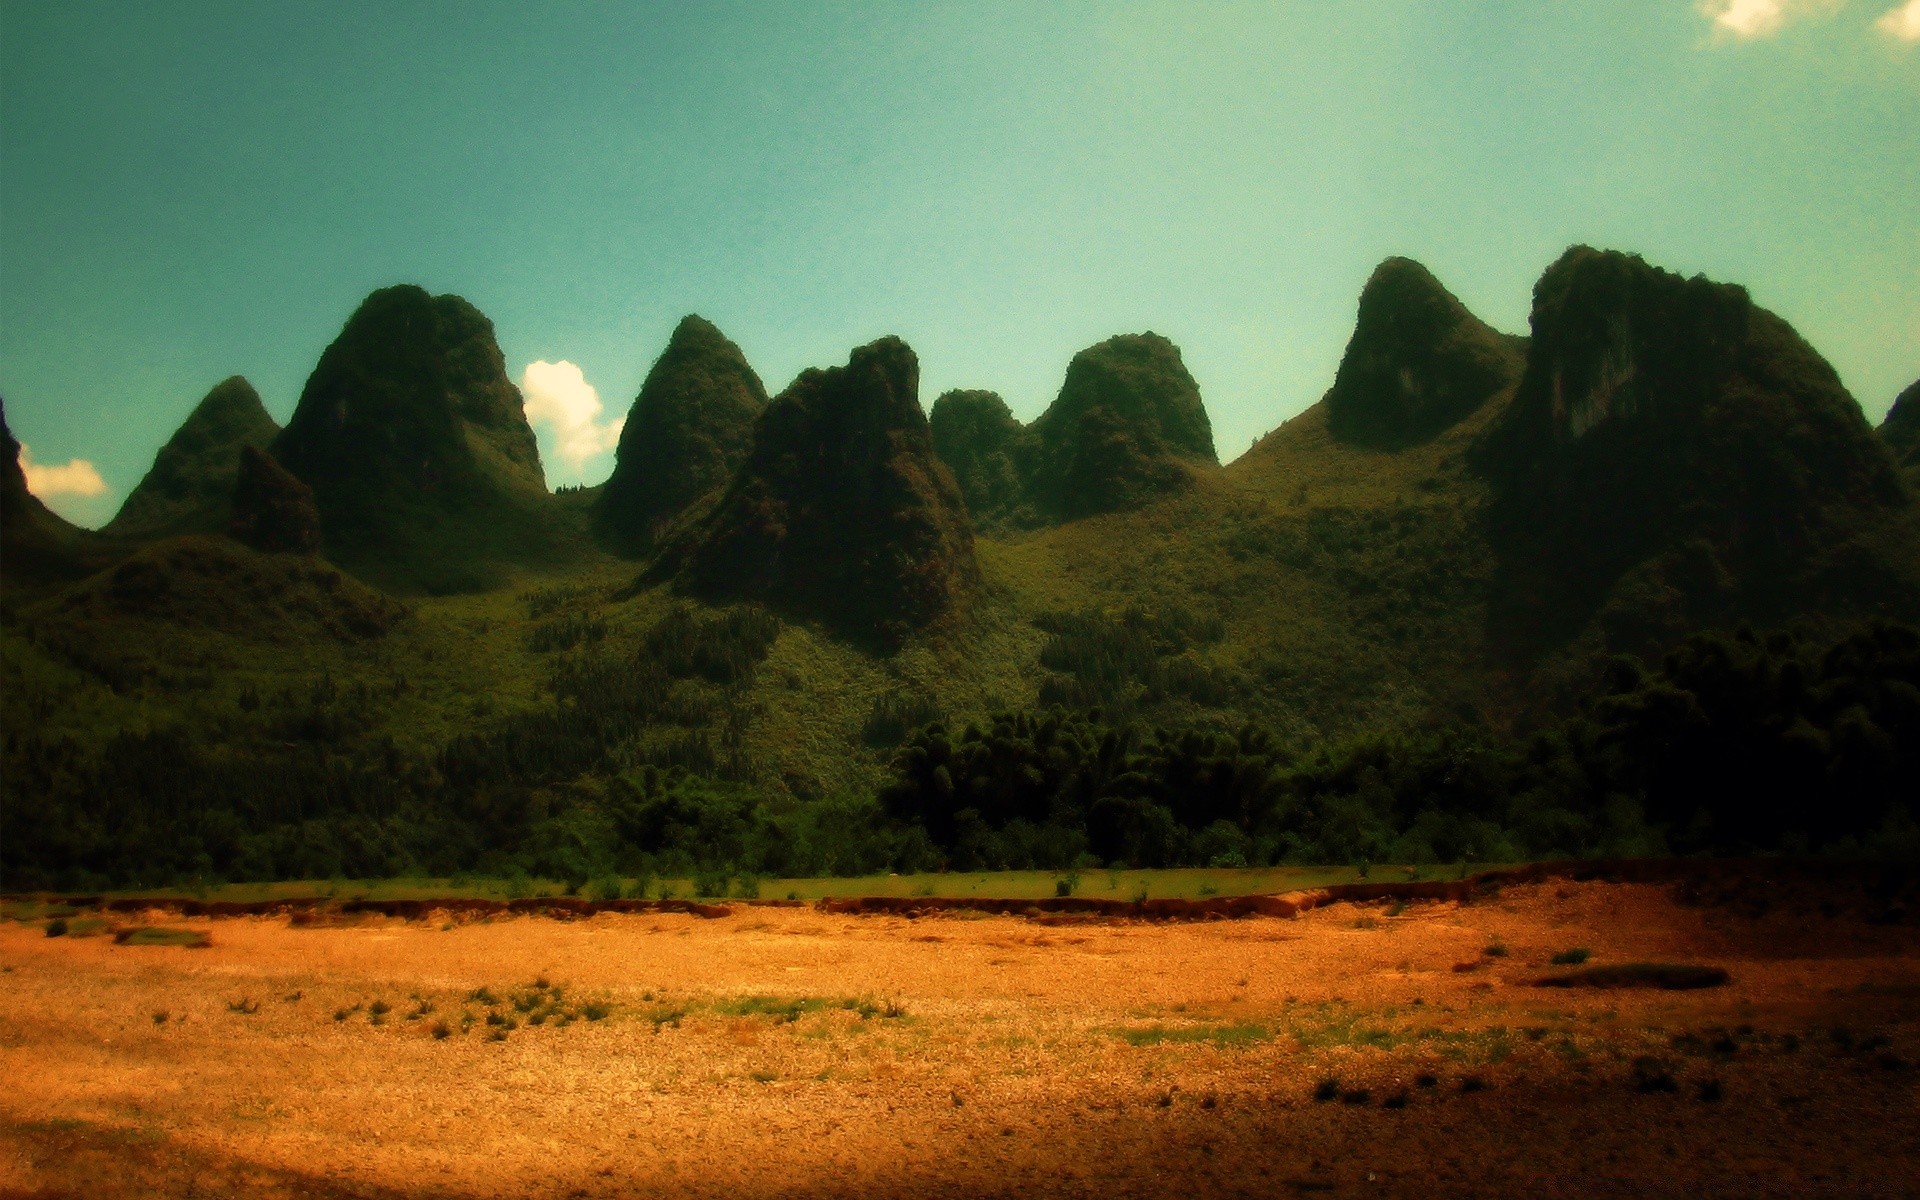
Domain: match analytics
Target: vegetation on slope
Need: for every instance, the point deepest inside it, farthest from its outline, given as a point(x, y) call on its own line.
point(842, 512)
point(1677, 457)
point(1901, 429)
point(417, 447)
point(1128, 426)
point(1298, 656)
point(1418, 361)
point(689, 429)
point(189, 488)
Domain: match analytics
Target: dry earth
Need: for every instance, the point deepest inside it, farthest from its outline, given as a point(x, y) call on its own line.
point(786, 1052)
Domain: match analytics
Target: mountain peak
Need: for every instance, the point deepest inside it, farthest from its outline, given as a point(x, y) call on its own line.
point(416, 445)
point(1418, 361)
point(1676, 457)
point(1128, 425)
point(190, 485)
point(842, 511)
point(689, 428)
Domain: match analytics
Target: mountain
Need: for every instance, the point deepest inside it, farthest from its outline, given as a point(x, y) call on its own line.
point(190, 486)
point(1677, 457)
point(990, 454)
point(272, 510)
point(689, 428)
point(417, 448)
point(841, 511)
point(1128, 426)
point(1418, 361)
point(37, 546)
point(1901, 429)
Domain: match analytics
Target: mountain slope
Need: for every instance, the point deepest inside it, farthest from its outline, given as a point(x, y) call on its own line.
point(1678, 457)
point(1127, 426)
point(37, 546)
point(189, 488)
point(1418, 361)
point(417, 447)
point(1901, 429)
point(842, 511)
point(689, 428)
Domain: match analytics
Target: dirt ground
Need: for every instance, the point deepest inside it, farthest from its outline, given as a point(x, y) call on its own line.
point(1358, 1050)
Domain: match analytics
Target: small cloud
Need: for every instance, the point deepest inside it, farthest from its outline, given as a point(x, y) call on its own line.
point(559, 397)
point(76, 478)
point(1902, 22)
point(1745, 20)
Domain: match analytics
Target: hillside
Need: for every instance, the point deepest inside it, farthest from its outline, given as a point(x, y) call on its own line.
point(1677, 457)
point(38, 547)
point(189, 488)
point(417, 448)
point(887, 641)
point(841, 511)
point(689, 429)
point(1901, 429)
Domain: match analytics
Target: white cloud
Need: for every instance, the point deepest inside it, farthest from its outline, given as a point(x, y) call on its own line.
point(1902, 22)
point(76, 478)
point(1745, 20)
point(559, 397)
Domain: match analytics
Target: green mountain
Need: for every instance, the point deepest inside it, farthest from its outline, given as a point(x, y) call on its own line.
point(189, 488)
point(842, 511)
point(417, 448)
point(888, 641)
point(1677, 457)
point(37, 546)
point(1128, 426)
point(1418, 361)
point(689, 429)
point(1901, 429)
point(272, 510)
point(990, 454)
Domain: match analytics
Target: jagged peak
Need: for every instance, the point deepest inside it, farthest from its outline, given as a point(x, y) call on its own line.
point(1418, 363)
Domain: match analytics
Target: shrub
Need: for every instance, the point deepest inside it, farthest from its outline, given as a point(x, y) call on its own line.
point(1327, 1089)
point(708, 883)
point(57, 927)
point(1573, 957)
point(441, 1031)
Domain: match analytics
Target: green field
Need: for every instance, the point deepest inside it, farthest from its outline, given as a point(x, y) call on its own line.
point(1099, 884)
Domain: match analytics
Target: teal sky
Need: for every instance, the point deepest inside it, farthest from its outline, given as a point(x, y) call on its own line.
point(190, 190)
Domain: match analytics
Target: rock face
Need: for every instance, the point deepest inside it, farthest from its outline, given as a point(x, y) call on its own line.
point(990, 454)
point(842, 511)
point(190, 485)
point(1128, 426)
point(272, 510)
point(1677, 457)
point(416, 444)
point(1418, 362)
point(690, 427)
point(1901, 430)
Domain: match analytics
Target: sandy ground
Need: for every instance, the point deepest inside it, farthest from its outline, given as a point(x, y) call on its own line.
point(783, 1052)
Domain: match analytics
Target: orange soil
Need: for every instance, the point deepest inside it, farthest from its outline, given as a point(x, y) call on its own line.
point(1099, 1059)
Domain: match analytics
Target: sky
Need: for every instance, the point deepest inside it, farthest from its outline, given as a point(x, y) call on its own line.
point(194, 190)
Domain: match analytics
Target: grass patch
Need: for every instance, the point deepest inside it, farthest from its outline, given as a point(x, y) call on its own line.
point(1573, 957)
point(1241, 1034)
point(160, 935)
